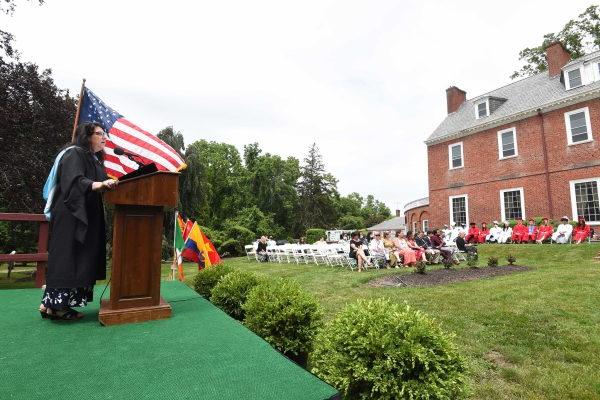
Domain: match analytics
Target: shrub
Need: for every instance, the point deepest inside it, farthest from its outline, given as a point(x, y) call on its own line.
point(375, 349)
point(472, 260)
point(231, 291)
point(206, 279)
point(420, 267)
point(313, 235)
point(492, 262)
point(511, 259)
point(242, 235)
point(231, 247)
point(284, 315)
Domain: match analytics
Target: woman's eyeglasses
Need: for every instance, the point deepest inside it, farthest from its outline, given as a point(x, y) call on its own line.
point(101, 133)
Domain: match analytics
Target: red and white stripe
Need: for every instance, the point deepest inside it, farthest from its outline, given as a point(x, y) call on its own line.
point(135, 140)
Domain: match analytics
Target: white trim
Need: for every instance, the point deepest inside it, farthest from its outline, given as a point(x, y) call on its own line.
point(568, 81)
point(521, 194)
point(462, 155)
point(423, 225)
point(587, 123)
point(487, 108)
point(414, 227)
point(500, 147)
point(573, 200)
point(466, 196)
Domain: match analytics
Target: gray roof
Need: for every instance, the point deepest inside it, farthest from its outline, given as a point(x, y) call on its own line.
point(524, 98)
point(392, 224)
point(587, 57)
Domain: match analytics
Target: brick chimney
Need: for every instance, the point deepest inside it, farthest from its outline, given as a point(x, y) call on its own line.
point(557, 57)
point(455, 97)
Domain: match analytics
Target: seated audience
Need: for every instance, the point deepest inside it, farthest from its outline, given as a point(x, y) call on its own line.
point(483, 233)
point(401, 248)
point(472, 235)
point(432, 255)
point(389, 250)
point(321, 242)
point(463, 246)
point(545, 231)
point(271, 242)
point(494, 234)
point(532, 231)
point(377, 248)
point(505, 233)
point(438, 243)
point(519, 232)
point(419, 251)
point(581, 231)
point(357, 252)
point(563, 231)
point(261, 250)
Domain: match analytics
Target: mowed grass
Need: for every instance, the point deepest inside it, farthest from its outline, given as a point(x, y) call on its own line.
point(529, 335)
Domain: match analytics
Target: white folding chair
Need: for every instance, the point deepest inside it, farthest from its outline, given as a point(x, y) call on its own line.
point(250, 252)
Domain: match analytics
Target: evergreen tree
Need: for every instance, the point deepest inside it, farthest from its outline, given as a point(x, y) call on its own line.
point(316, 191)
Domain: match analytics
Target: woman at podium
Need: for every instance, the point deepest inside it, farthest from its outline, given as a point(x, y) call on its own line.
point(77, 247)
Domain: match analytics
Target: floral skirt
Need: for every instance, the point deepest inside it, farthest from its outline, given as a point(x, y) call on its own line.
point(59, 298)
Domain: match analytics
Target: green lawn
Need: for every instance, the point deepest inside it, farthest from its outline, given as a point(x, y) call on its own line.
point(530, 335)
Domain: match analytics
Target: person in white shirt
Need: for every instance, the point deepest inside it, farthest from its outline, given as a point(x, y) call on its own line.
point(451, 238)
point(563, 231)
point(271, 242)
point(505, 233)
point(494, 234)
point(377, 249)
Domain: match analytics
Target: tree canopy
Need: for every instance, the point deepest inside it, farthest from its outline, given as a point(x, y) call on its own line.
point(579, 36)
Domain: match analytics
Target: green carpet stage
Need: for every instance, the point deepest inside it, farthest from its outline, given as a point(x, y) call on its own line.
point(199, 353)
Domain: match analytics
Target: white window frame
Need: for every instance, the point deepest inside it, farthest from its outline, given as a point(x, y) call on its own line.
point(466, 196)
point(462, 155)
point(502, 208)
point(423, 225)
point(573, 200)
point(487, 108)
point(500, 149)
point(568, 82)
point(588, 124)
point(414, 227)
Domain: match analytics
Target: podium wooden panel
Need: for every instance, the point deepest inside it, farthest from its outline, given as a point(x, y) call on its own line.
point(137, 242)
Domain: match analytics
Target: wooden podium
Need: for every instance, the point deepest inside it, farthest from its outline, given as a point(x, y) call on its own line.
point(137, 243)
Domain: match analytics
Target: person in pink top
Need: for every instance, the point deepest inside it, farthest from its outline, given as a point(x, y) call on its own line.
point(419, 251)
point(581, 231)
point(401, 249)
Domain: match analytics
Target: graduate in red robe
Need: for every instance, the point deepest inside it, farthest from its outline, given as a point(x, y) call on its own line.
point(483, 232)
point(473, 233)
point(581, 231)
point(545, 231)
point(520, 232)
point(532, 231)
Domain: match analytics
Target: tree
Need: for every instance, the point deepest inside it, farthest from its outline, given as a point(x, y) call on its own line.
point(211, 187)
point(316, 190)
point(173, 139)
point(272, 184)
point(6, 38)
point(579, 36)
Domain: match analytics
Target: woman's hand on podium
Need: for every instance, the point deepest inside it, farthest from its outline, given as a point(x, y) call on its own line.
point(108, 184)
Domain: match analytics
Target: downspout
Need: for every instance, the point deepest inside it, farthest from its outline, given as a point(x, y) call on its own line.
point(546, 169)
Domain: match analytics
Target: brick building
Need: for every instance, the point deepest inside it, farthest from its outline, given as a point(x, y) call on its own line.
point(530, 148)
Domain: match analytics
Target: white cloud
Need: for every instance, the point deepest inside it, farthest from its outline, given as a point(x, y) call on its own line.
point(365, 80)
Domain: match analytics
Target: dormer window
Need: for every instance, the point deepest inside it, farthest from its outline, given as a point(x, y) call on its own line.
point(482, 109)
point(574, 78)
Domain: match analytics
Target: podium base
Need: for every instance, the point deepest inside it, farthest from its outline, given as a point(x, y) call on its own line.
point(108, 316)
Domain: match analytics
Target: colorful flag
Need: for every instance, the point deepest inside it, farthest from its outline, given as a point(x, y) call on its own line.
point(187, 228)
point(147, 147)
point(199, 249)
point(178, 244)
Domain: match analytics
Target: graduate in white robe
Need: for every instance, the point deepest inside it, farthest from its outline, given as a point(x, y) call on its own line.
point(563, 231)
point(494, 234)
point(505, 233)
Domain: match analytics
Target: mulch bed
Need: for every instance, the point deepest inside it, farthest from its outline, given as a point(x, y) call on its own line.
point(444, 276)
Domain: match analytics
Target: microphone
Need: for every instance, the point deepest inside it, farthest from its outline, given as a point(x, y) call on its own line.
point(120, 152)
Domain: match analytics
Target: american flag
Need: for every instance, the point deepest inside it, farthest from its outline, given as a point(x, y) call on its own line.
point(131, 138)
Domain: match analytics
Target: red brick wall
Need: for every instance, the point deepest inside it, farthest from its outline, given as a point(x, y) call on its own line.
point(484, 175)
point(417, 214)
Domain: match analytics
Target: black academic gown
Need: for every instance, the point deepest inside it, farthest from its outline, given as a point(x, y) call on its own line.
point(77, 248)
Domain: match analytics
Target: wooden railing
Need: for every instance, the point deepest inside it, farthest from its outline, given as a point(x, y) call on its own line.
point(41, 257)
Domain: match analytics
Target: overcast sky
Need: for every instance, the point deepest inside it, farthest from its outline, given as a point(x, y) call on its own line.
point(365, 80)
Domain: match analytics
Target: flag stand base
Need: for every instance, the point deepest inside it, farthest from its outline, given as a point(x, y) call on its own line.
point(108, 316)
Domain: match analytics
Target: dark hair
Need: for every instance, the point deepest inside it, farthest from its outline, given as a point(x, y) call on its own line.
point(354, 234)
point(83, 135)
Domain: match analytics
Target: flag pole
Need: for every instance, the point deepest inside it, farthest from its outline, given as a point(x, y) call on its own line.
point(175, 264)
point(78, 109)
